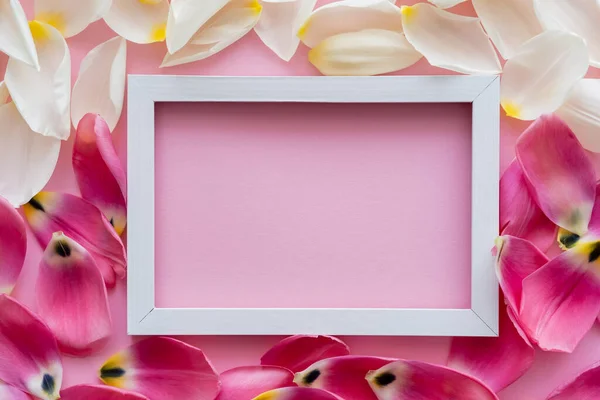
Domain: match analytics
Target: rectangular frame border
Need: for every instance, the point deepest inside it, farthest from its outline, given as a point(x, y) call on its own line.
point(143, 318)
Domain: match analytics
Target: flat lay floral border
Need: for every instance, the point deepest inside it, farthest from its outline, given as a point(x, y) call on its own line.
point(547, 254)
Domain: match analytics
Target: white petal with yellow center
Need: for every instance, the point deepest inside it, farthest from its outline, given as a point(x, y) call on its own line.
point(581, 112)
point(229, 25)
point(15, 36)
point(43, 97)
point(368, 52)
point(139, 21)
point(450, 41)
point(538, 79)
point(68, 16)
point(100, 87)
point(446, 3)
point(349, 16)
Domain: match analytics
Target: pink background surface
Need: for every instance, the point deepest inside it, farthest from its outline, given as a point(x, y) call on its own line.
point(250, 57)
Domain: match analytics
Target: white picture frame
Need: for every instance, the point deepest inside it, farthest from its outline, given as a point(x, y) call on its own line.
point(143, 318)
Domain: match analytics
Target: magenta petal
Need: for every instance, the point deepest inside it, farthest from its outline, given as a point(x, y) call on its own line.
point(519, 214)
point(299, 352)
point(497, 362)
point(585, 387)
point(344, 376)
point(561, 300)
point(98, 170)
point(162, 368)
point(94, 392)
point(50, 212)
point(29, 359)
point(13, 246)
point(298, 393)
point(8, 392)
point(415, 380)
point(245, 383)
point(562, 179)
point(516, 259)
point(72, 298)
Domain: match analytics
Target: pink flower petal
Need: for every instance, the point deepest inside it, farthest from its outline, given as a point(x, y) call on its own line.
point(516, 259)
point(298, 393)
point(13, 246)
point(72, 298)
point(299, 352)
point(245, 383)
point(343, 376)
point(50, 212)
point(497, 362)
point(569, 239)
point(415, 380)
point(519, 214)
point(98, 170)
point(561, 177)
point(93, 392)
point(8, 392)
point(30, 359)
point(585, 387)
point(162, 369)
point(561, 300)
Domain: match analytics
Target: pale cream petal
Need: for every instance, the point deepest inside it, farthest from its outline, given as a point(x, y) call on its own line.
point(449, 40)
point(139, 21)
point(349, 16)
point(27, 159)
point(185, 19)
point(100, 87)
point(509, 23)
point(279, 24)
point(538, 79)
point(581, 17)
point(446, 3)
point(68, 16)
point(15, 36)
point(581, 112)
point(226, 27)
point(43, 97)
point(4, 95)
point(368, 52)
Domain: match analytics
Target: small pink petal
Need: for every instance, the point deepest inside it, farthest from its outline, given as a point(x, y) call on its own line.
point(162, 368)
point(497, 362)
point(568, 239)
point(415, 380)
point(585, 387)
point(298, 393)
point(72, 298)
point(343, 376)
point(519, 214)
point(13, 246)
point(245, 383)
point(561, 300)
point(30, 359)
point(98, 170)
point(562, 179)
point(8, 392)
point(516, 259)
point(300, 351)
point(50, 212)
point(93, 392)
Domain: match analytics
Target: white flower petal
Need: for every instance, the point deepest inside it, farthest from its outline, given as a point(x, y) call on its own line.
point(446, 3)
point(349, 16)
point(185, 19)
point(15, 36)
point(538, 79)
point(279, 23)
point(450, 41)
point(226, 27)
point(43, 97)
point(139, 21)
point(68, 16)
point(27, 159)
point(581, 112)
point(581, 17)
point(100, 87)
point(368, 52)
point(509, 23)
